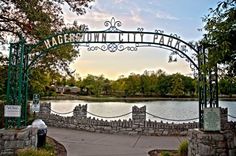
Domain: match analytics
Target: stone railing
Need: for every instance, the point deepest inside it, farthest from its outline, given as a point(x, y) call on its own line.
point(11, 140)
point(137, 125)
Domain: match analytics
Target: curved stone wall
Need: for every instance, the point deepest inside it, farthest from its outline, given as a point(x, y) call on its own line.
point(11, 140)
point(137, 125)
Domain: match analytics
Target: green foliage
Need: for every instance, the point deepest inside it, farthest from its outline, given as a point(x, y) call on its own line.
point(1, 114)
point(36, 20)
point(183, 148)
point(94, 84)
point(164, 153)
point(132, 85)
point(220, 37)
point(147, 84)
point(177, 85)
point(227, 86)
point(34, 152)
point(49, 147)
point(163, 86)
point(3, 76)
point(47, 150)
point(38, 81)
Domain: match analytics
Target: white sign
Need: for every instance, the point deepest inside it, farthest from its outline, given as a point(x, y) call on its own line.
point(12, 111)
point(35, 107)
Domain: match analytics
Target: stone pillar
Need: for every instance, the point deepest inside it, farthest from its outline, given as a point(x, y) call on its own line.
point(139, 116)
point(12, 140)
point(80, 111)
point(45, 108)
point(211, 143)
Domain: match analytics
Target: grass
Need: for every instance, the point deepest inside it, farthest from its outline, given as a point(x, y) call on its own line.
point(183, 148)
point(182, 151)
point(164, 153)
point(34, 152)
point(47, 150)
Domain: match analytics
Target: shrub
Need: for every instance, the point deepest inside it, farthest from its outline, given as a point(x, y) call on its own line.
point(183, 148)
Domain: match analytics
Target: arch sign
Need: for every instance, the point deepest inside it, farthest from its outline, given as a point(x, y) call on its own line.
point(116, 37)
point(111, 39)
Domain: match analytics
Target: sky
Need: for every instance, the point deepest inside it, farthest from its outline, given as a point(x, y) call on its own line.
point(183, 17)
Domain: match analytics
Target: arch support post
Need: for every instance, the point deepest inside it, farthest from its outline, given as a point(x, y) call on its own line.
point(17, 86)
point(202, 84)
point(207, 84)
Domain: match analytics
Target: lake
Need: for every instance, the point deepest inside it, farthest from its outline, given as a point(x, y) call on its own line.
point(166, 109)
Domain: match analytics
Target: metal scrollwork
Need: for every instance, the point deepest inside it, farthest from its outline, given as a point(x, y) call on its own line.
point(192, 67)
point(113, 25)
point(183, 48)
point(132, 48)
point(140, 29)
point(159, 31)
point(95, 48)
point(121, 47)
point(175, 35)
point(112, 47)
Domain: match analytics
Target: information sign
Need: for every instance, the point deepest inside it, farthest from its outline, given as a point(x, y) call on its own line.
point(12, 111)
point(211, 117)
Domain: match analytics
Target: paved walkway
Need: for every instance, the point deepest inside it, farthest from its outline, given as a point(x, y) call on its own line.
point(80, 143)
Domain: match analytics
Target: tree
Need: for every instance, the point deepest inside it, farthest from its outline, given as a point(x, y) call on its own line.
point(118, 86)
point(189, 85)
point(132, 84)
point(148, 81)
point(3, 75)
point(39, 80)
point(220, 37)
point(177, 85)
point(93, 84)
point(35, 20)
point(163, 85)
point(227, 86)
point(107, 87)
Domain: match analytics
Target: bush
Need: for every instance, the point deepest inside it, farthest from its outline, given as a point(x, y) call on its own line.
point(33, 152)
point(183, 148)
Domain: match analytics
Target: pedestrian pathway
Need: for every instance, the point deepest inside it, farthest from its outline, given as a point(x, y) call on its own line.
point(81, 143)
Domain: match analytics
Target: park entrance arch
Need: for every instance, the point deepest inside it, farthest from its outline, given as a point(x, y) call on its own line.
point(111, 39)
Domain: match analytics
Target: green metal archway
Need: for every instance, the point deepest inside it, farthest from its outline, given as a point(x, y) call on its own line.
point(112, 39)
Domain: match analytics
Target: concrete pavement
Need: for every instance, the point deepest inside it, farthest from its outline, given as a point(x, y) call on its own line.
point(81, 143)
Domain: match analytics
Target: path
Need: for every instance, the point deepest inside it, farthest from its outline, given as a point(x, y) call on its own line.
point(81, 143)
